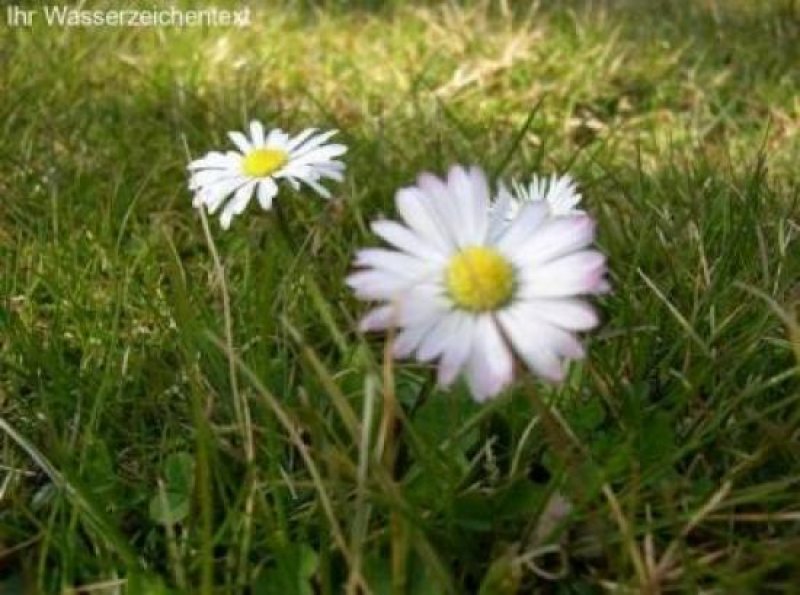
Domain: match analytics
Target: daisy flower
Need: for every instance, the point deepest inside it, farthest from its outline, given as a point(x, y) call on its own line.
point(559, 193)
point(263, 159)
point(470, 290)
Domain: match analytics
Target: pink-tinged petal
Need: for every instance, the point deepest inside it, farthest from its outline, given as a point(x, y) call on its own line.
point(433, 188)
point(408, 340)
point(533, 344)
point(444, 207)
point(480, 205)
point(438, 338)
point(490, 366)
point(406, 240)
point(422, 219)
point(422, 302)
point(524, 225)
point(499, 213)
point(556, 238)
point(465, 203)
point(457, 351)
point(397, 263)
point(377, 285)
point(568, 313)
point(455, 202)
point(380, 318)
point(575, 274)
point(603, 287)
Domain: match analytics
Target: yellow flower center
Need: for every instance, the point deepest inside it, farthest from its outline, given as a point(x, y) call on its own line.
point(480, 279)
point(262, 162)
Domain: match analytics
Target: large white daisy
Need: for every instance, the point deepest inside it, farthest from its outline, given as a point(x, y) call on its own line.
point(469, 289)
point(261, 161)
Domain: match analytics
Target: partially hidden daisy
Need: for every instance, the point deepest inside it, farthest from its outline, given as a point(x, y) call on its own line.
point(261, 161)
point(470, 290)
point(559, 193)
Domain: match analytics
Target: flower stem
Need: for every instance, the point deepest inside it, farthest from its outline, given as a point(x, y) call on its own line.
point(241, 406)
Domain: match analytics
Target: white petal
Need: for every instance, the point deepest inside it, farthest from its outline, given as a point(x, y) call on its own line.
point(257, 134)
point(562, 195)
point(320, 155)
point(277, 139)
point(241, 142)
point(537, 189)
point(267, 189)
point(333, 173)
point(311, 144)
point(215, 160)
point(290, 179)
point(237, 204)
point(208, 177)
point(214, 196)
point(318, 188)
point(299, 139)
point(295, 172)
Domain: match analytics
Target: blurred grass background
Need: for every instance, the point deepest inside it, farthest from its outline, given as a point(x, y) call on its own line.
point(672, 463)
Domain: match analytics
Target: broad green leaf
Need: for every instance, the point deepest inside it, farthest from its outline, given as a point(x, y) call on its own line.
point(173, 504)
point(295, 566)
point(169, 508)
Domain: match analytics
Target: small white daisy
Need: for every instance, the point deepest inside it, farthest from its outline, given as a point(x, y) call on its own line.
point(468, 288)
point(559, 193)
point(262, 160)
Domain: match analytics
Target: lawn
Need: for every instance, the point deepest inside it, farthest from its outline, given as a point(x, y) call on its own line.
point(185, 409)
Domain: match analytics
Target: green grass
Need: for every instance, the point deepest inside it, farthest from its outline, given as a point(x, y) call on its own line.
point(676, 443)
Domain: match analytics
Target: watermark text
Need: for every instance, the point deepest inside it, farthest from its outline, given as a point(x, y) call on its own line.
point(68, 16)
